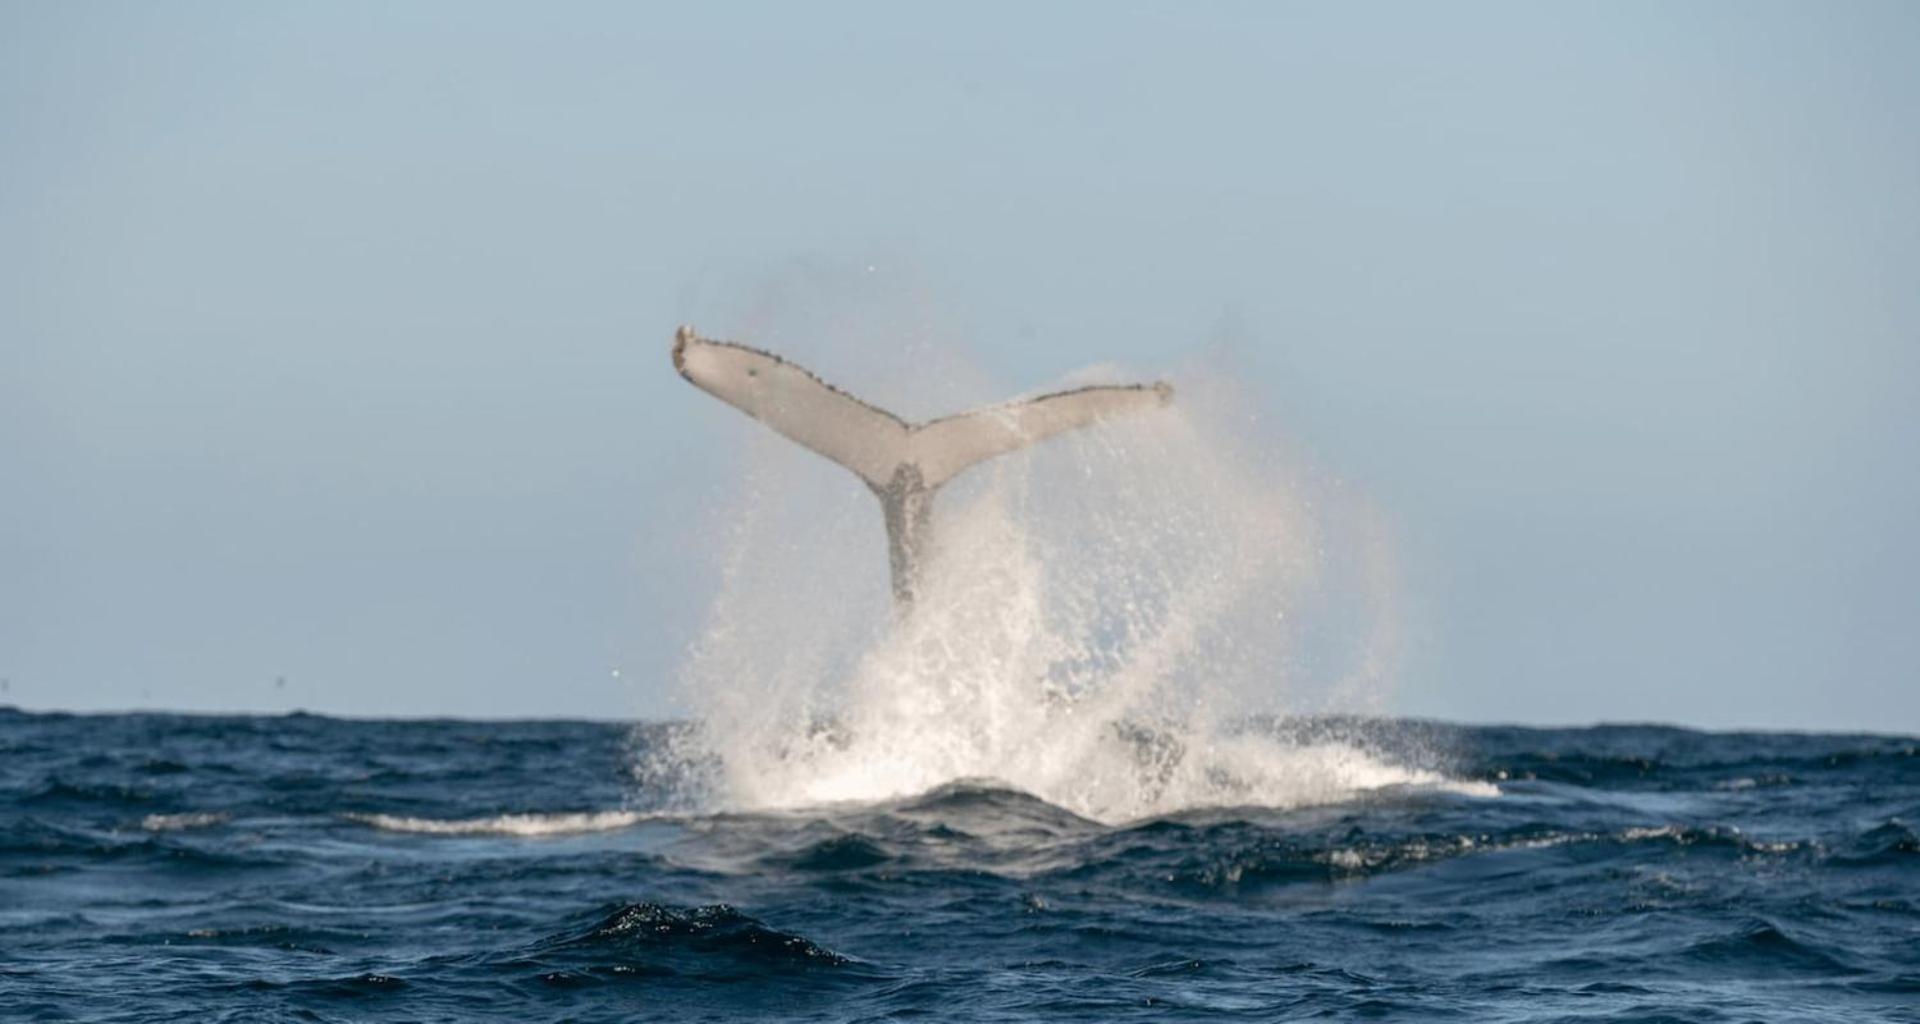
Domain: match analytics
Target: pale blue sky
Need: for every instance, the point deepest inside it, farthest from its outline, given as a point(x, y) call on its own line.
point(332, 335)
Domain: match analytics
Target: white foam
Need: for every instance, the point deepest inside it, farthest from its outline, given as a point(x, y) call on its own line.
point(182, 822)
point(506, 824)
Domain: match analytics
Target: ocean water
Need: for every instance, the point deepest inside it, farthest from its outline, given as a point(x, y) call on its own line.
point(163, 867)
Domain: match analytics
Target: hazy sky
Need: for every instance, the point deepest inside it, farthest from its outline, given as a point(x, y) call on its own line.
point(332, 336)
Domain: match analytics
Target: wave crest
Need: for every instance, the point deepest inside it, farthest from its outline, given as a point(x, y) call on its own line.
point(507, 824)
point(183, 822)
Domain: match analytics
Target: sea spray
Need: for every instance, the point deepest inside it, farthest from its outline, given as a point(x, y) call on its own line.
point(1099, 617)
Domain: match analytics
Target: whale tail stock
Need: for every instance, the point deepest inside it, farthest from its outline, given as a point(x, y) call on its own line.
point(903, 463)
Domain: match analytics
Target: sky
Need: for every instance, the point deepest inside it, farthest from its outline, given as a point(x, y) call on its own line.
point(333, 335)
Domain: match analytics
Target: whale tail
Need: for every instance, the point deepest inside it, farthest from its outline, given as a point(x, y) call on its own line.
point(903, 463)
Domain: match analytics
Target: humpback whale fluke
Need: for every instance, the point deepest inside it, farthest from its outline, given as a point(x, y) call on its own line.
point(903, 463)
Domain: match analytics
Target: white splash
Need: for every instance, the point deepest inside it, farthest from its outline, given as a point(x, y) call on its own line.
point(1097, 617)
point(506, 824)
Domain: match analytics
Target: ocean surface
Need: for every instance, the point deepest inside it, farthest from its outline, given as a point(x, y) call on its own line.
point(164, 867)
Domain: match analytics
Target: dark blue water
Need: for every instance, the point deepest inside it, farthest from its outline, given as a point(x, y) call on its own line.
point(157, 867)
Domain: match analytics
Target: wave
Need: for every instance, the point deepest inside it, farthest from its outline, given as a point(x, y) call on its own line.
point(1234, 857)
point(1762, 945)
point(508, 824)
point(850, 852)
point(706, 931)
point(1891, 843)
point(183, 822)
point(657, 944)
